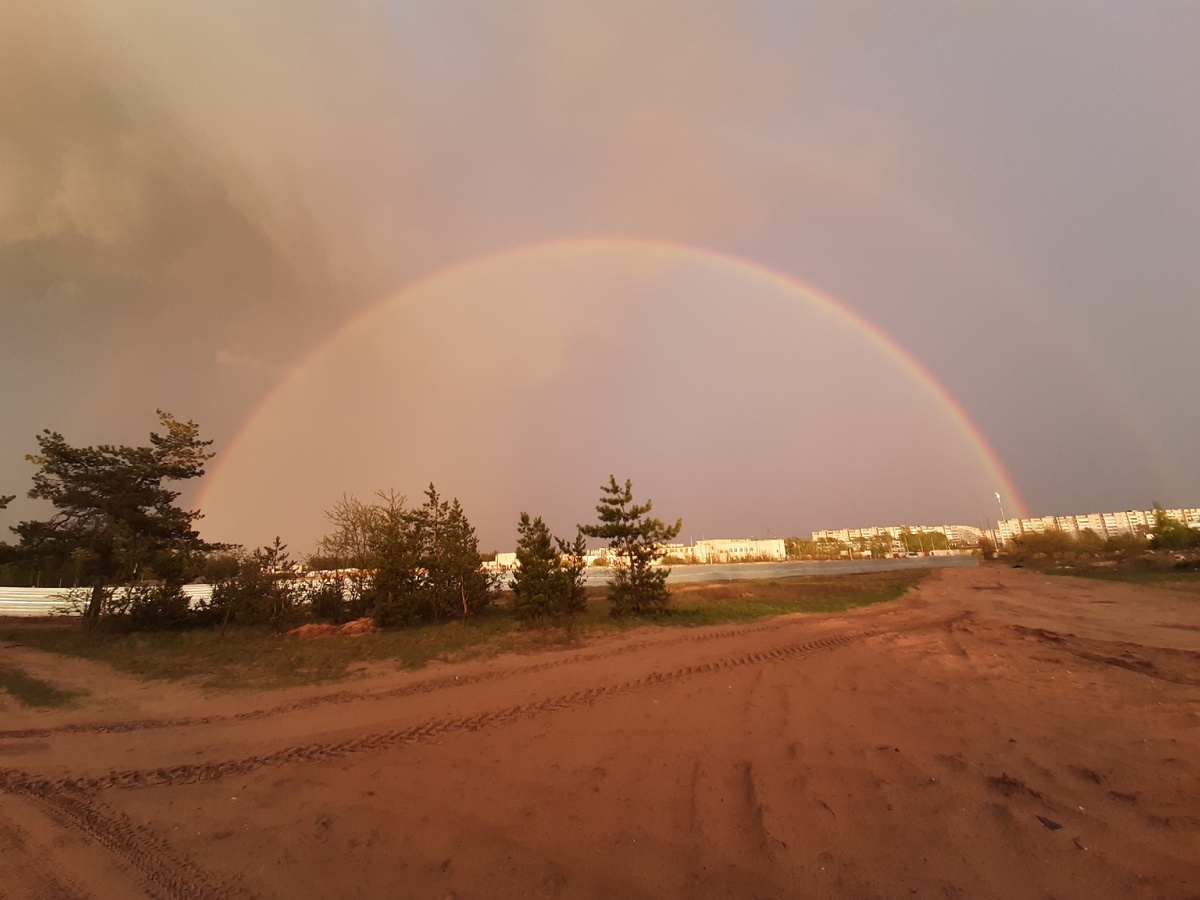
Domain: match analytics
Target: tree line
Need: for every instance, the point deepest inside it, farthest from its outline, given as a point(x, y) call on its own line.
point(119, 536)
point(1168, 534)
point(877, 546)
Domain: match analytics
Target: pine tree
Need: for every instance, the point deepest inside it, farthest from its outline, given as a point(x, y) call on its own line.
point(637, 585)
point(115, 519)
point(394, 596)
point(413, 564)
point(453, 581)
point(549, 579)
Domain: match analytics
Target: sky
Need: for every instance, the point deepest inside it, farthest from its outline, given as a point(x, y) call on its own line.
point(785, 265)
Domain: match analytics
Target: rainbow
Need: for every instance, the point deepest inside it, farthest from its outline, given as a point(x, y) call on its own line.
point(671, 251)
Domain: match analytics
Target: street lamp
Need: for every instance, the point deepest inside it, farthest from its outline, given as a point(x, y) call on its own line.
point(999, 526)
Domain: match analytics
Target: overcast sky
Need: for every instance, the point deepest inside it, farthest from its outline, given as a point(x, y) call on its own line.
point(195, 200)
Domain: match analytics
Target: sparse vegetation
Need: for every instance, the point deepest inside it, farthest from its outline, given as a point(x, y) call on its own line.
point(922, 541)
point(30, 691)
point(1171, 534)
point(1056, 548)
point(408, 565)
point(741, 601)
point(1153, 571)
point(799, 548)
point(251, 658)
point(259, 592)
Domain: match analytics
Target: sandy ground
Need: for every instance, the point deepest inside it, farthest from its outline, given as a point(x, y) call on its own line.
point(996, 733)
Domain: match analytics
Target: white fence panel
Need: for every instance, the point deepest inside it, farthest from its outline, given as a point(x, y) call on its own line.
point(28, 602)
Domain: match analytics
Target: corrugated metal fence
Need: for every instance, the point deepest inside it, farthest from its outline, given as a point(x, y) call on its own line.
point(52, 601)
point(16, 601)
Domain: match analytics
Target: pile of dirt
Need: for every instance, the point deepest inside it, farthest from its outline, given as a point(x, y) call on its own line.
point(323, 629)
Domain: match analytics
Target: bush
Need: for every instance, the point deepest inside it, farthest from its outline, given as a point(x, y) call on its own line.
point(327, 601)
point(159, 607)
point(1171, 534)
point(1053, 543)
point(261, 593)
point(424, 563)
point(1064, 546)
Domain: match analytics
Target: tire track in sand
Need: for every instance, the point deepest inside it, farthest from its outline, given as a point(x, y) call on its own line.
point(421, 687)
point(164, 873)
point(36, 874)
point(194, 773)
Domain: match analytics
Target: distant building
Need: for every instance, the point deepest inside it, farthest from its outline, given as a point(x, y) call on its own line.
point(960, 535)
point(1106, 524)
point(708, 551)
point(741, 550)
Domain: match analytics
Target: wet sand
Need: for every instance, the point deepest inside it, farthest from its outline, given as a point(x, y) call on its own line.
point(996, 733)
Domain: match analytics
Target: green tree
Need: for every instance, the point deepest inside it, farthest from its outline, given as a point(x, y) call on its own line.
point(798, 548)
point(1091, 543)
point(1170, 533)
point(923, 541)
point(1052, 543)
point(573, 598)
point(637, 585)
point(549, 580)
point(411, 564)
point(828, 548)
point(454, 581)
point(116, 521)
point(261, 592)
point(393, 596)
point(880, 546)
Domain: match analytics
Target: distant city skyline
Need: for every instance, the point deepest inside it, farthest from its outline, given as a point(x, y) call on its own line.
point(1103, 524)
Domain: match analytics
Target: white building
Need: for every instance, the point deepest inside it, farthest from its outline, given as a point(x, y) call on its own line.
point(709, 551)
point(954, 534)
point(1104, 524)
point(740, 550)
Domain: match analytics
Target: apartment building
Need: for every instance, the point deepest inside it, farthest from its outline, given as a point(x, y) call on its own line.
point(710, 551)
point(954, 534)
point(741, 550)
point(1104, 524)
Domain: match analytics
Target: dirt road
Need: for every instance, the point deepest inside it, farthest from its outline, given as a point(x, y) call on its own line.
point(996, 733)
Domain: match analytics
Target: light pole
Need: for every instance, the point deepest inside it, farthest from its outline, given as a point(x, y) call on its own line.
point(1002, 516)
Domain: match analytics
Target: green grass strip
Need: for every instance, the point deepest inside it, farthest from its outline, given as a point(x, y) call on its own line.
point(30, 691)
point(253, 659)
point(1178, 579)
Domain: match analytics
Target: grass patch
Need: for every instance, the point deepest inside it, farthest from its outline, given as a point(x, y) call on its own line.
point(30, 691)
point(252, 658)
point(1185, 579)
point(745, 601)
point(245, 658)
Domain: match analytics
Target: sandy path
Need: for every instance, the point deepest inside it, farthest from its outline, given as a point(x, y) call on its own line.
point(904, 750)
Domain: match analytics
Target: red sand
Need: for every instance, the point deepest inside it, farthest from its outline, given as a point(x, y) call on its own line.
point(996, 733)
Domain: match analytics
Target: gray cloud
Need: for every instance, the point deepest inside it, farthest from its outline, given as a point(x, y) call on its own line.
point(190, 191)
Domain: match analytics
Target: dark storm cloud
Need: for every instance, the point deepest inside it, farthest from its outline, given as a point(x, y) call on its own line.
point(197, 196)
point(136, 257)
